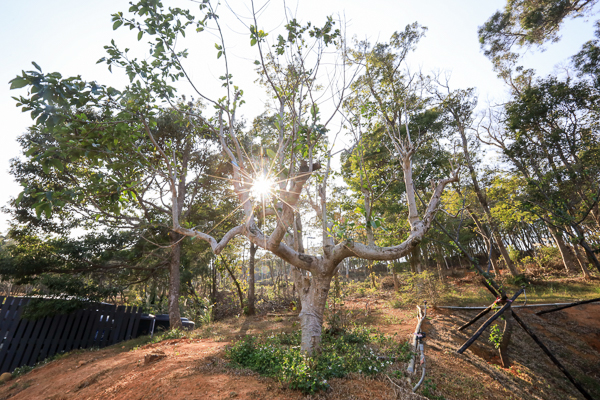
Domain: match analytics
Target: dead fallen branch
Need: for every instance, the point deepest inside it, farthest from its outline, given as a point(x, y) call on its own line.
point(477, 317)
point(567, 306)
point(418, 346)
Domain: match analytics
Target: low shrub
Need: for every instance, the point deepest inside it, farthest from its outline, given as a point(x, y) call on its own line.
point(359, 350)
point(418, 287)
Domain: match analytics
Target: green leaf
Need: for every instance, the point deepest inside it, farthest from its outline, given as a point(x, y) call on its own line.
point(38, 209)
point(272, 155)
point(19, 198)
point(48, 210)
point(57, 164)
point(18, 83)
point(36, 66)
point(117, 24)
point(252, 42)
point(219, 54)
point(256, 62)
point(140, 34)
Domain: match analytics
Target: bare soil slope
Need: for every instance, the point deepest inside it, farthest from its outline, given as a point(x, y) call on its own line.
point(196, 368)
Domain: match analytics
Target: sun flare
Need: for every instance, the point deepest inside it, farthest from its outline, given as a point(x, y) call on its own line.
point(262, 188)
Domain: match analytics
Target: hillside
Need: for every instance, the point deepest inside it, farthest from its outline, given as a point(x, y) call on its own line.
point(196, 367)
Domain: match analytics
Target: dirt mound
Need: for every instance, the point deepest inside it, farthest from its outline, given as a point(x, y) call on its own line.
point(192, 369)
point(196, 369)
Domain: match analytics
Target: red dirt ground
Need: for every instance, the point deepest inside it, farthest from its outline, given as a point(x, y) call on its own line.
point(192, 369)
point(195, 368)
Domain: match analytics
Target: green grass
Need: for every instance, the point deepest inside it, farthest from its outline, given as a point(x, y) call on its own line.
point(555, 291)
point(353, 351)
point(467, 296)
point(540, 291)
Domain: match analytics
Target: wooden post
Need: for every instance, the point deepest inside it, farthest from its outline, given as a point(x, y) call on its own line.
point(421, 314)
point(567, 306)
point(551, 356)
point(476, 318)
point(506, 334)
point(487, 323)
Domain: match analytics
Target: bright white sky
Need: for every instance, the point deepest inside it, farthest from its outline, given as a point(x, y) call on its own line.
point(68, 36)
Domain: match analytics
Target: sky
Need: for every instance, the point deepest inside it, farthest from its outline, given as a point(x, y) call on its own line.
point(68, 36)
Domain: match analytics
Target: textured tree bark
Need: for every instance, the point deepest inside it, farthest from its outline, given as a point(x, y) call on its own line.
point(313, 295)
point(314, 286)
point(439, 264)
point(509, 263)
point(396, 283)
point(415, 260)
point(582, 259)
point(371, 273)
point(564, 249)
point(174, 282)
point(588, 251)
point(251, 310)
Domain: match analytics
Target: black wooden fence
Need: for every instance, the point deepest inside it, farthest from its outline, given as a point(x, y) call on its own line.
point(24, 342)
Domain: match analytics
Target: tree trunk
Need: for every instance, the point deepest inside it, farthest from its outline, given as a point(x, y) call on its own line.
point(313, 296)
point(564, 249)
point(440, 267)
point(495, 265)
point(174, 282)
point(271, 272)
point(589, 252)
point(583, 262)
point(415, 260)
point(481, 196)
point(235, 282)
point(213, 292)
point(509, 263)
point(251, 298)
point(488, 242)
point(372, 273)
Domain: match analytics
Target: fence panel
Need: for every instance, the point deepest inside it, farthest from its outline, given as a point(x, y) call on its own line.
point(24, 342)
point(15, 330)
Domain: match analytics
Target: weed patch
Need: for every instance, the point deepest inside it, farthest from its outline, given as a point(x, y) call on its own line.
point(359, 350)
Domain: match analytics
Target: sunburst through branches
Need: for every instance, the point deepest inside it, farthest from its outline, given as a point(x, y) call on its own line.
point(262, 185)
point(263, 188)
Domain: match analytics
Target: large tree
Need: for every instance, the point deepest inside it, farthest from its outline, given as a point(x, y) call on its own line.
point(548, 132)
point(88, 164)
point(267, 186)
point(526, 23)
